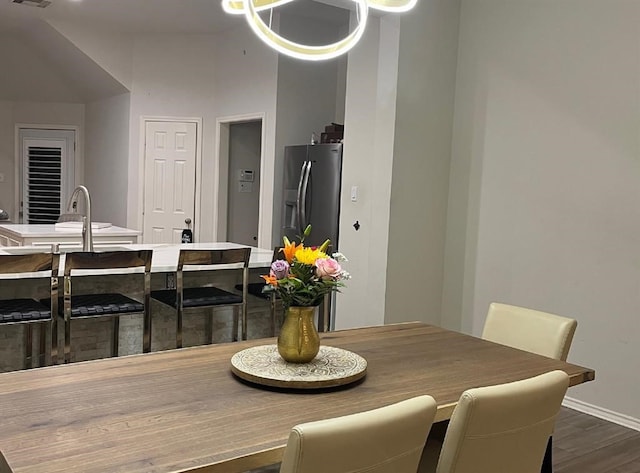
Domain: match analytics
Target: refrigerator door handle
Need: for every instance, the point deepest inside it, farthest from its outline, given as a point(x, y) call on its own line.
point(302, 197)
point(299, 197)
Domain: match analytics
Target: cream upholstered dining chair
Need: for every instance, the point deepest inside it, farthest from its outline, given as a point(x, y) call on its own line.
point(534, 331)
point(502, 428)
point(385, 440)
point(530, 330)
point(4, 466)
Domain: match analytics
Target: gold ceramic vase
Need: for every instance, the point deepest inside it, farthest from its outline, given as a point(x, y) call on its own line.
point(298, 341)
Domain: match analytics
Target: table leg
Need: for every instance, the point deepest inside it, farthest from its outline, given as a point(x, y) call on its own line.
point(547, 465)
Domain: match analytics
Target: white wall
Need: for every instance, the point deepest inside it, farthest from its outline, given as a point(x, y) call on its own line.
point(245, 84)
point(545, 181)
point(421, 161)
point(171, 77)
point(7, 157)
point(107, 158)
point(368, 153)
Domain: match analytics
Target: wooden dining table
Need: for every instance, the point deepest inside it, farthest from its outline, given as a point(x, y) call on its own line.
point(184, 411)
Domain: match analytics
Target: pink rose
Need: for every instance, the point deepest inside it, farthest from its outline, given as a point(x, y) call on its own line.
point(327, 268)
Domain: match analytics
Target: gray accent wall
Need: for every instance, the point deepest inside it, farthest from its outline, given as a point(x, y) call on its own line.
point(421, 161)
point(544, 202)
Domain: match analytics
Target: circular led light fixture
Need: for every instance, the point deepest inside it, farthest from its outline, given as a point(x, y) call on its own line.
point(393, 6)
point(251, 9)
point(302, 51)
point(236, 7)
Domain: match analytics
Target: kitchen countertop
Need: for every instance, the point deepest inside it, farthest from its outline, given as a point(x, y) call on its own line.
point(22, 230)
point(165, 256)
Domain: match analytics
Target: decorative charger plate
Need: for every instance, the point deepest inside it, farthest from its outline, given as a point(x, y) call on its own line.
point(331, 367)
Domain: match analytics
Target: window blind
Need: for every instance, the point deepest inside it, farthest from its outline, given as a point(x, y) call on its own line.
point(43, 182)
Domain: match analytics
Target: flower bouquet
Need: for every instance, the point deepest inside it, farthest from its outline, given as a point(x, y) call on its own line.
point(301, 280)
point(305, 274)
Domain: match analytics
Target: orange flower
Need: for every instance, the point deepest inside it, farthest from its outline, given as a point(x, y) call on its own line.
point(270, 280)
point(290, 249)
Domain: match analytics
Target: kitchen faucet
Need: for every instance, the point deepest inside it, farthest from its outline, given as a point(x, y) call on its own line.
point(87, 236)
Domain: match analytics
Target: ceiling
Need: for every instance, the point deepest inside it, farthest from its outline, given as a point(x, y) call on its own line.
point(142, 16)
point(128, 16)
point(31, 48)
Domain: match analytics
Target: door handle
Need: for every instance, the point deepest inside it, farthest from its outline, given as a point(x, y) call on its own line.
point(301, 187)
point(302, 223)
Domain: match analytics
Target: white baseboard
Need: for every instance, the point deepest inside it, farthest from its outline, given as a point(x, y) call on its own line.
point(602, 413)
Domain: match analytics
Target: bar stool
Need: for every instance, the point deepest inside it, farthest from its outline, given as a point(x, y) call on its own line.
point(209, 296)
point(83, 306)
point(255, 289)
point(29, 311)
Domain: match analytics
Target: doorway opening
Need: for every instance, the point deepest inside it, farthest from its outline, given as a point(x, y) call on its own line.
point(241, 185)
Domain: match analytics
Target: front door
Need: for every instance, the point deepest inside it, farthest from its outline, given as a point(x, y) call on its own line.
point(169, 180)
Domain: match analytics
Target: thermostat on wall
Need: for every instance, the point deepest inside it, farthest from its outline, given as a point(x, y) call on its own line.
point(246, 175)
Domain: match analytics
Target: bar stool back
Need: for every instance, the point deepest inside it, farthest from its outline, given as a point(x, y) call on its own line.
point(209, 296)
point(107, 304)
point(29, 311)
point(255, 289)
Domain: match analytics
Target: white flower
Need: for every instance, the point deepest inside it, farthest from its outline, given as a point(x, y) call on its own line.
point(339, 257)
point(345, 275)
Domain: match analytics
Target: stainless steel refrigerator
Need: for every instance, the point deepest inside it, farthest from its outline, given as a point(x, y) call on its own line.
point(312, 178)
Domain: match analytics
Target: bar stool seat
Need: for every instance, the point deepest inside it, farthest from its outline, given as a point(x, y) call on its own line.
point(23, 310)
point(197, 297)
point(255, 289)
point(100, 305)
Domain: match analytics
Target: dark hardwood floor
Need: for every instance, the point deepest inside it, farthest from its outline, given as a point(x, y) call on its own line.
point(586, 444)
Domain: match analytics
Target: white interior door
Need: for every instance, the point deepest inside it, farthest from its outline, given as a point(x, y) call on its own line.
point(169, 180)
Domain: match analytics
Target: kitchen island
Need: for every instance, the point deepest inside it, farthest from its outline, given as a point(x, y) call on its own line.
point(165, 255)
point(68, 235)
point(91, 338)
